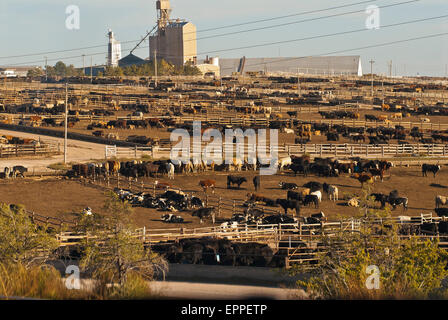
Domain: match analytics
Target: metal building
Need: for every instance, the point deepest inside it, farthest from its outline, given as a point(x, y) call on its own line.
point(329, 65)
point(175, 40)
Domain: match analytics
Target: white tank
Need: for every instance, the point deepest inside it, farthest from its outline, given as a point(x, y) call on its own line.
point(214, 61)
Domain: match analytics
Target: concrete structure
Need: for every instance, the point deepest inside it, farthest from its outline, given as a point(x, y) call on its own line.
point(114, 50)
point(331, 65)
point(210, 66)
point(175, 40)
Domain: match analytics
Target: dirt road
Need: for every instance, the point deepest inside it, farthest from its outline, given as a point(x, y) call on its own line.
point(77, 151)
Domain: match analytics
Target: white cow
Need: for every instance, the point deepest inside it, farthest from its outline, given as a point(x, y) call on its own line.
point(333, 192)
point(285, 162)
point(170, 170)
point(318, 194)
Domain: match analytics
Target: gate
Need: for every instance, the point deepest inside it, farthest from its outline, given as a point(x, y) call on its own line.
point(111, 151)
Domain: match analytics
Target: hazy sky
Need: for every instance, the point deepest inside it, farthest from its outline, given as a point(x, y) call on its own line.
point(37, 26)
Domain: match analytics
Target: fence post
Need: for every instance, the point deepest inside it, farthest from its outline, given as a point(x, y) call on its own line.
point(219, 206)
point(118, 180)
point(234, 207)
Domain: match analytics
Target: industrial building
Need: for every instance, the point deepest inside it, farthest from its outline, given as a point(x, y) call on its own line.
point(174, 40)
point(113, 50)
point(331, 65)
point(15, 71)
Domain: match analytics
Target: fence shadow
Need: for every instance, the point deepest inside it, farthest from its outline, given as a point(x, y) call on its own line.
point(436, 185)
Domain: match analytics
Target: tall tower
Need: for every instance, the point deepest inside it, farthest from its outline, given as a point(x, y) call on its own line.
point(175, 40)
point(114, 50)
point(163, 14)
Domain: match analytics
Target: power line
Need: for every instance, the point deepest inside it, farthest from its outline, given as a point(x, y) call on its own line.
point(300, 21)
point(266, 44)
point(324, 35)
point(236, 32)
point(348, 50)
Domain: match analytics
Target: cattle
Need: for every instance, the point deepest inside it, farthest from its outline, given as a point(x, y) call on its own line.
point(313, 186)
point(441, 201)
point(318, 194)
point(284, 162)
point(235, 180)
point(171, 218)
point(114, 166)
point(311, 198)
point(150, 169)
point(315, 218)
point(381, 198)
point(257, 182)
point(288, 186)
point(363, 178)
point(204, 213)
point(429, 167)
point(377, 173)
point(353, 202)
point(331, 191)
point(289, 204)
point(441, 212)
point(170, 170)
point(206, 184)
point(19, 170)
point(292, 195)
point(394, 202)
point(298, 167)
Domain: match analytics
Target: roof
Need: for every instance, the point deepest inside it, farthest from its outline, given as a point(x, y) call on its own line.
point(130, 59)
point(310, 65)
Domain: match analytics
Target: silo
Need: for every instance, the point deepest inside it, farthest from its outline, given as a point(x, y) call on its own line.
point(214, 61)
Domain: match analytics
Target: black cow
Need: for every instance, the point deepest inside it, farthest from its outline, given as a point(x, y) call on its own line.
point(394, 202)
point(288, 186)
point(298, 167)
point(441, 212)
point(311, 198)
point(257, 182)
point(204, 213)
point(379, 197)
point(289, 204)
point(235, 180)
point(313, 186)
point(19, 170)
point(430, 167)
point(292, 195)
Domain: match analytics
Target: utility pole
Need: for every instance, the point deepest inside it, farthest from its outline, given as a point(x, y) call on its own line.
point(83, 65)
point(371, 73)
point(390, 68)
point(155, 67)
point(46, 74)
point(91, 69)
point(298, 82)
point(65, 123)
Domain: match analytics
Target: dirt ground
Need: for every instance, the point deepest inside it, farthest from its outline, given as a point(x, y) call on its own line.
point(64, 198)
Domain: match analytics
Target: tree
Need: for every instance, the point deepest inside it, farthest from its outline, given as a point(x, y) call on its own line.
point(36, 72)
point(112, 253)
point(408, 267)
point(21, 240)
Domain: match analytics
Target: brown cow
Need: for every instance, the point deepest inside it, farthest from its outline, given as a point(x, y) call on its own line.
point(363, 178)
point(114, 166)
point(205, 184)
point(377, 173)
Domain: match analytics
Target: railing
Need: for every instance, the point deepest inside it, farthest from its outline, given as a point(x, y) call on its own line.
point(22, 150)
point(314, 150)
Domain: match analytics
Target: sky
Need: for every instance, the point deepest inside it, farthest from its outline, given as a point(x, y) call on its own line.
point(36, 27)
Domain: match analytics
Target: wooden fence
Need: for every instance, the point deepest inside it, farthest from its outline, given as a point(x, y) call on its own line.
point(24, 150)
point(314, 150)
